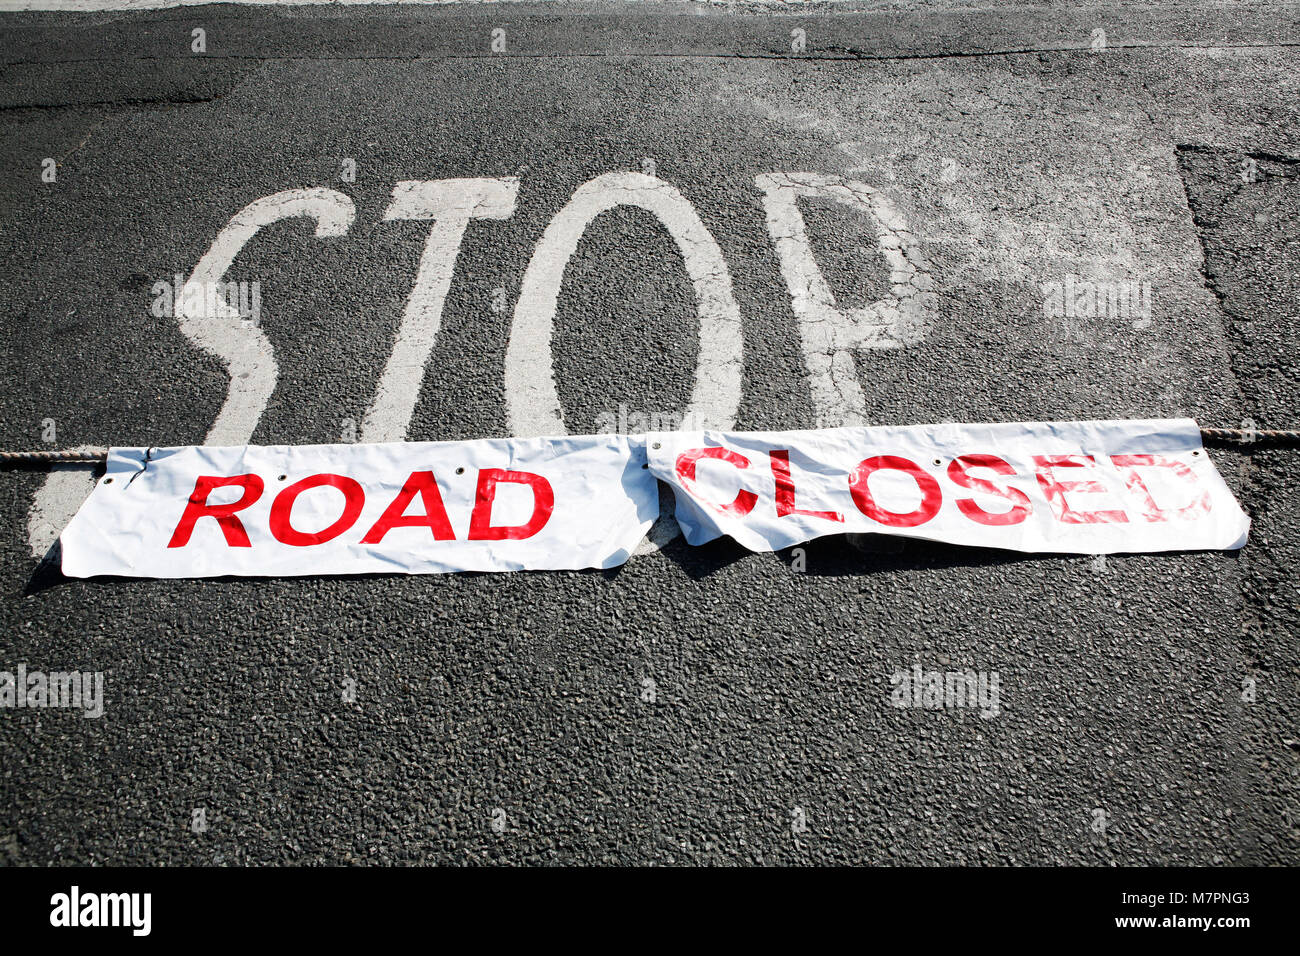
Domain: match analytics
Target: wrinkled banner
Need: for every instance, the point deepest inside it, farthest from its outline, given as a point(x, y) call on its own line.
point(1064, 487)
point(587, 501)
point(411, 507)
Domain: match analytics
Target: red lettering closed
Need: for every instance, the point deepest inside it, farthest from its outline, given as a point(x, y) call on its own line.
point(1055, 489)
point(931, 495)
point(1020, 507)
point(744, 501)
point(1129, 465)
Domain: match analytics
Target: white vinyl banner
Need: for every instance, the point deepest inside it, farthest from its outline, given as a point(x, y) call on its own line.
point(417, 507)
point(1066, 487)
point(586, 502)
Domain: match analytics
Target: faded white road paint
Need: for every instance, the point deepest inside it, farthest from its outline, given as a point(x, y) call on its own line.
point(55, 502)
point(220, 330)
point(533, 408)
point(215, 328)
point(830, 334)
point(451, 204)
point(665, 528)
point(533, 403)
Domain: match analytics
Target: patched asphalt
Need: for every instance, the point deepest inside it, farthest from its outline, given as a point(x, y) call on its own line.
point(1122, 682)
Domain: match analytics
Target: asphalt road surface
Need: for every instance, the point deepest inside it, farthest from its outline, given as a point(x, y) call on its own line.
point(698, 705)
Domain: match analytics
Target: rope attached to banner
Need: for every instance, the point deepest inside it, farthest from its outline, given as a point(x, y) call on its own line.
point(24, 459)
point(1251, 436)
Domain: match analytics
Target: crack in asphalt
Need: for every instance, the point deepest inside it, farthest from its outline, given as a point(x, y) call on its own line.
point(1216, 185)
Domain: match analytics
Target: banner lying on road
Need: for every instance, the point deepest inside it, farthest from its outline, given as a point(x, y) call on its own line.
point(418, 507)
point(586, 502)
point(1066, 487)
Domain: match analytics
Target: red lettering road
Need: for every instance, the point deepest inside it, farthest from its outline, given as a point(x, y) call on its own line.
point(420, 483)
point(354, 499)
point(394, 516)
point(198, 507)
point(480, 522)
